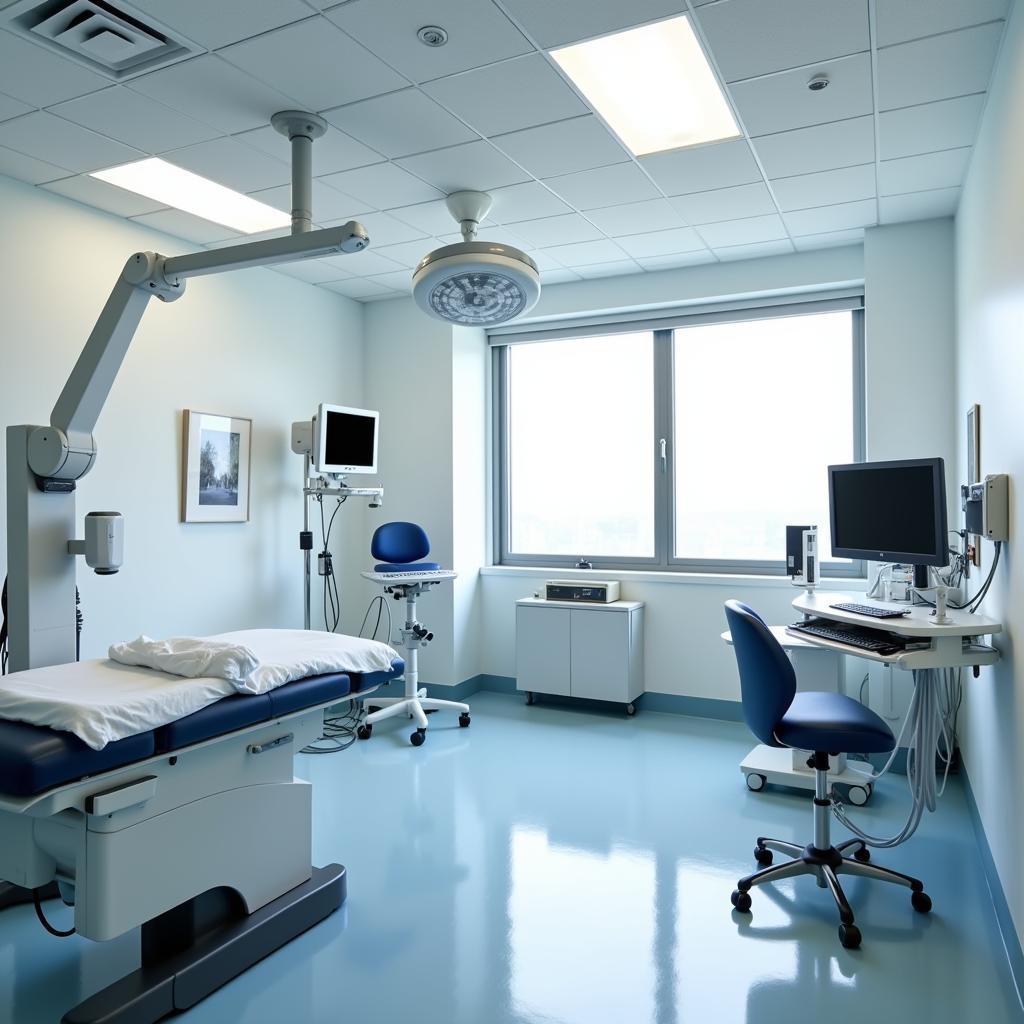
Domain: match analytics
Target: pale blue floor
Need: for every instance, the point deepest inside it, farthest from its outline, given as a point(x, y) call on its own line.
point(553, 865)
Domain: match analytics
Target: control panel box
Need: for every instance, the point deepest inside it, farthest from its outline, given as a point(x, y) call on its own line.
point(987, 507)
point(597, 592)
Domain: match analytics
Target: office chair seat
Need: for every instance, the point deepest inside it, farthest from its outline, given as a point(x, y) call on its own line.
point(833, 722)
point(406, 567)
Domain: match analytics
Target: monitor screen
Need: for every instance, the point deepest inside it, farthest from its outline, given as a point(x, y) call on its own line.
point(889, 511)
point(346, 440)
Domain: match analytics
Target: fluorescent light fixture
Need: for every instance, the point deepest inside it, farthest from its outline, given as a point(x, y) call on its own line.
point(166, 183)
point(653, 85)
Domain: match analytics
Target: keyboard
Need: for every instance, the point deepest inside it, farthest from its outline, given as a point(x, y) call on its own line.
point(862, 637)
point(869, 609)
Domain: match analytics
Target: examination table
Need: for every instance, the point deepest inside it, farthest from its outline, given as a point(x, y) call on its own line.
point(198, 831)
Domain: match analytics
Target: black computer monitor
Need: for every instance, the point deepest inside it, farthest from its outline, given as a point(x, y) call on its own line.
point(889, 511)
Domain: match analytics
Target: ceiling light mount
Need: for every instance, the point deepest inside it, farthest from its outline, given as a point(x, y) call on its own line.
point(432, 35)
point(300, 128)
point(475, 284)
point(818, 82)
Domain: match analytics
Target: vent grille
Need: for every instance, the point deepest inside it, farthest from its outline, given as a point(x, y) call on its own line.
point(112, 40)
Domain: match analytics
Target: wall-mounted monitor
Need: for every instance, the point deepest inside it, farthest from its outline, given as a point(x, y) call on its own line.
point(345, 440)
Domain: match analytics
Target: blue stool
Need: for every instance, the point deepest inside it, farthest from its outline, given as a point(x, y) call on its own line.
point(821, 722)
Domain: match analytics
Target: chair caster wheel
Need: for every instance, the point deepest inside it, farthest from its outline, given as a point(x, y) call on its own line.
point(630, 710)
point(418, 737)
point(741, 901)
point(849, 936)
point(364, 732)
point(921, 902)
point(858, 795)
point(529, 697)
point(464, 720)
point(755, 781)
point(863, 854)
point(763, 856)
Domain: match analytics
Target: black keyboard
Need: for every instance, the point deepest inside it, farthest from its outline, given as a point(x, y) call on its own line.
point(861, 637)
point(869, 609)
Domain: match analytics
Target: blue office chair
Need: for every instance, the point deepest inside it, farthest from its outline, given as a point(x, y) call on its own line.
point(822, 723)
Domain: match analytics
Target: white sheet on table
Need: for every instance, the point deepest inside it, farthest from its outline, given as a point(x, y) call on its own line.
point(191, 656)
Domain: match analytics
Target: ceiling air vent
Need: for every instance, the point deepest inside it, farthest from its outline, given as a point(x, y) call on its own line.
point(103, 37)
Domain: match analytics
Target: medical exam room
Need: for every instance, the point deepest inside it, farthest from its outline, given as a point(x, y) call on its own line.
point(510, 511)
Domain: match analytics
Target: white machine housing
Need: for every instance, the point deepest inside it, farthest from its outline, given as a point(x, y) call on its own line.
point(321, 437)
point(987, 507)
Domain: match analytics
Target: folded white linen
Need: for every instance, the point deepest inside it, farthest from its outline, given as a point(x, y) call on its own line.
point(189, 656)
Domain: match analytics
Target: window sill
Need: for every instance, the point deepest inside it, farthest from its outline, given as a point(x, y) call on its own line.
point(841, 584)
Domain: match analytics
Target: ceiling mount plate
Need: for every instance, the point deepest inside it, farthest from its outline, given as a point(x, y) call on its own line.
point(292, 123)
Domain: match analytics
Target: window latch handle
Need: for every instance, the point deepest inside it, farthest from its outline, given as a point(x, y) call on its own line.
point(663, 448)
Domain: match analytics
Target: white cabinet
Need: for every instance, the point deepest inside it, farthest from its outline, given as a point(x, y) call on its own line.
point(580, 650)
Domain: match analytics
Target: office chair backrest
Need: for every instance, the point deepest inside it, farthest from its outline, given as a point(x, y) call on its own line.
point(767, 679)
point(399, 543)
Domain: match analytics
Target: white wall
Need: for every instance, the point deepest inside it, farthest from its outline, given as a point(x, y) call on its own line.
point(990, 371)
point(252, 343)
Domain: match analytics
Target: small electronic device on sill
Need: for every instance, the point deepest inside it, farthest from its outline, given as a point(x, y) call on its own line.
point(599, 592)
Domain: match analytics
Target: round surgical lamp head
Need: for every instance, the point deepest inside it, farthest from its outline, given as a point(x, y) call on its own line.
point(475, 284)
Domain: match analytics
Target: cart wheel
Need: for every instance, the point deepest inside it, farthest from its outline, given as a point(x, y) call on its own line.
point(755, 781)
point(364, 732)
point(849, 936)
point(417, 738)
point(464, 719)
point(863, 855)
point(741, 901)
point(858, 795)
point(529, 696)
point(763, 856)
point(921, 902)
point(630, 709)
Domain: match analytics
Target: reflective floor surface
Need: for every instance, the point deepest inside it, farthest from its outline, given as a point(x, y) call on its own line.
point(564, 866)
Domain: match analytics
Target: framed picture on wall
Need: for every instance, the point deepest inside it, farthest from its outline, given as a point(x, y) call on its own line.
point(215, 468)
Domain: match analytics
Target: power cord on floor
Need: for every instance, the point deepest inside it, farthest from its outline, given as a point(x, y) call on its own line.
point(38, 904)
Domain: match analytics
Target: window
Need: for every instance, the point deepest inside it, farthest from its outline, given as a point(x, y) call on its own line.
point(686, 444)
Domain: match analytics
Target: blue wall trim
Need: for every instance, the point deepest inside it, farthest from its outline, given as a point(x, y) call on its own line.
point(1004, 919)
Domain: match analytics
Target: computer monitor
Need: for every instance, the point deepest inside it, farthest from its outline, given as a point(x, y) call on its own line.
point(345, 440)
point(889, 511)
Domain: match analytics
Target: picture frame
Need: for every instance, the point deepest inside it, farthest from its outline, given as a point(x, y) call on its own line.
point(216, 462)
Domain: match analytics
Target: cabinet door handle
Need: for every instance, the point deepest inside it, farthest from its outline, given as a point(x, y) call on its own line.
point(663, 450)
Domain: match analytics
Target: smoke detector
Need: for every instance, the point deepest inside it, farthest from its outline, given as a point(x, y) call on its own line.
point(475, 284)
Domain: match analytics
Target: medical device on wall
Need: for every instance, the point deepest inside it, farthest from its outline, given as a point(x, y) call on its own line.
point(103, 546)
point(987, 507)
point(45, 462)
point(802, 560)
point(598, 592)
point(475, 284)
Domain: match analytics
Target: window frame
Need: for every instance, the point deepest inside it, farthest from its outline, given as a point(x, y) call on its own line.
point(662, 327)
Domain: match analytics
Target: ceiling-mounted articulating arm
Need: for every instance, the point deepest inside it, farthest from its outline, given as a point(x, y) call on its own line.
point(300, 129)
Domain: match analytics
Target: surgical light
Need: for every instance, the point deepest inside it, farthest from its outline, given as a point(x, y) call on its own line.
point(653, 85)
point(167, 183)
point(474, 283)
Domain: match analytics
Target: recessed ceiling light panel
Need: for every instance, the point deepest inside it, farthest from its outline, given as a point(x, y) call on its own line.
point(174, 186)
point(653, 85)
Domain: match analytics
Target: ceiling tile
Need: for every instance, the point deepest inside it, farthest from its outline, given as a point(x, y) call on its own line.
point(384, 229)
point(363, 264)
point(230, 163)
point(544, 259)
point(564, 147)
point(823, 188)
point(933, 126)
point(400, 124)
point(505, 97)
point(307, 270)
point(473, 165)
point(602, 186)
point(701, 168)
point(584, 254)
point(59, 142)
point(633, 218)
point(746, 231)
point(184, 225)
point(383, 186)
point(40, 77)
point(399, 280)
point(334, 151)
point(558, 276)
point(840, 217)
point(929, 171)
point(498, 233)
point(328, 203)
point(751, 37)
point(478, 33)
point(225, 97)
point(228, 237)
point(407, 254)
point(570, 227)
point(27, 168)
point(104, 196)
point(907, 73)
point(225, 21)
point(679, 259)
point(135, 120)
point(617, 268)
point(528, 201)
point(566, 21)
point(725, 203)
point(805, 150)
point(431, 218)
point(829, 240)
point(729, 253)
point(10, 107)
point(900, 20)
point(783, 101)
point(316, 63)
point(919, 205)
point(357, 288)
point(662, 243)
